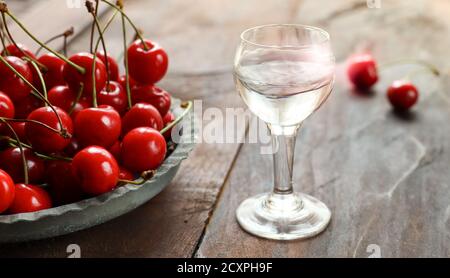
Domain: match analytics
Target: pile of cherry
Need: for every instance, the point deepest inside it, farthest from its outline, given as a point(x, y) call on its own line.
point(362, 72)
point(73, 128)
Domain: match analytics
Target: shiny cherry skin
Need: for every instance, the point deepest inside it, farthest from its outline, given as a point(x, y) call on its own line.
point(29, 198)
point(96, 169)
point(43, 139)
point(168, 118)
point(65, 187)
point(115, 150)
point(113, 67)
point(124, 174)
point(15, 51)
point(10, 83)
point(143, 149)
point(99, 126)
point(402, 94)
point(62, 97)
point(74, 78)
point(11, 162)
point(362, 71)
point(115, 96)
point(7, 191)
point(142, 115)
point(147, 66)
point(19, 128)
point(27, 105)
point(53, 75)
point(73, 148)
point(79, 106)
point(152, 95)
point(123, 81)
point(7, 109)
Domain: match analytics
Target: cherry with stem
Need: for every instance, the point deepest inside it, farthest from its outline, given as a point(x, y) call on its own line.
point(22, 153)
point(187, 107)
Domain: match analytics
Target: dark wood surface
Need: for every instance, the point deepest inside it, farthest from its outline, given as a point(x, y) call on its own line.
point(385, 176)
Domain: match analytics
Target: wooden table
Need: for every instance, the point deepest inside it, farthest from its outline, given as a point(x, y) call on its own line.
point(386, 177)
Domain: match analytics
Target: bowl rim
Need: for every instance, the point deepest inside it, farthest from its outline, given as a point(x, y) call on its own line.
point(181, 152)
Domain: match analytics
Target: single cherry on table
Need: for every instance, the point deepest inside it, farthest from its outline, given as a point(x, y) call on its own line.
point(402, 94)
point(362, 71)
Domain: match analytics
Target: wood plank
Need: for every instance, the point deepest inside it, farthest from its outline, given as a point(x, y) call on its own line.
point(384, 176)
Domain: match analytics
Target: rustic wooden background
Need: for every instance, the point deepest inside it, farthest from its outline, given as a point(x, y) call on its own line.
point(385, 176)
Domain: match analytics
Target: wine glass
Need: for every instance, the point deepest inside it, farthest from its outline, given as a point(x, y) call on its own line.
point(284, 72)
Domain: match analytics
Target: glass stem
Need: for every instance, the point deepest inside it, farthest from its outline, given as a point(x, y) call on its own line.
point(283, 144)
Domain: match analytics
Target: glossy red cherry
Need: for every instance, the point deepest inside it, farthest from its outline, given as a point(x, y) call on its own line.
point(122, 81)
point(14, 51)
point(113, 67)
point(65, 187)
point(29, 198)
point(115, 96)
point(168, 118)
point(96, 169)
point(147, 66)
point(7, 109)
point(98, 126)
point(141, 115)
point(74, 78)
point(62, 97)
point(53, 74)
point(7, 191)
point(80, 106)
point(11, 162)
point(362, 71)
point(124, 174)
point(152, 95)
point(10, 83)
point(27, 105)
point(115, 150)
point(143, 149)
point(402, 94)
point(19, 128)
point(43, 139)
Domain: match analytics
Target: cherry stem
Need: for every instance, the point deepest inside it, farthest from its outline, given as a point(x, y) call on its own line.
point(17, 46)
point(187, 107)
point(41, 79)
point(77, 99)
point(4, 9)
point(22, 153)
point(14, 143)
point(2, 38)
point(35, 122)
point(69, 32)
point(125, 58)
point(102, 40)
point(94, 12)
point(119, 7)
point(145, 176)
point(429, 66)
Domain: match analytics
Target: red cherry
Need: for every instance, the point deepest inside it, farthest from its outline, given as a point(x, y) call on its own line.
point(74, 78)
point(19, 128)
point(98, 126)
point(147, 66)
point(168, 118)
point(11, 162)
point(402, 94)
point(73, 148)
point(115, 150)
point(64, 185)
point(53, 75)
point(79, 106)
point(10, 83)
point(7, 191)
point(29, 198)
point(7, 109)
point(14, 51)
point(142, 115)
point(123, 81)
point(27, 105)
point(62, 96)
point(96, 169)
point(113, 67)
point(152, 95)
point(113, 95)
point(362, 71)
point(124, 174)
point(143, 149)
point(43, 139)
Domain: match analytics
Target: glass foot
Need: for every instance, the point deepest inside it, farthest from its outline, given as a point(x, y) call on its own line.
point(283, 217)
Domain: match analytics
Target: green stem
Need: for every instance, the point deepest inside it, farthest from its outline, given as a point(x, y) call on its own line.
point(77, 99)
point(2, 38)
point(22, 153)
point(77, 67)
point(178, 119)
point(125, 57)
point(429, 66)
point(119, 8)
point(91, 41)
point(41, 79)
point(30, 121)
